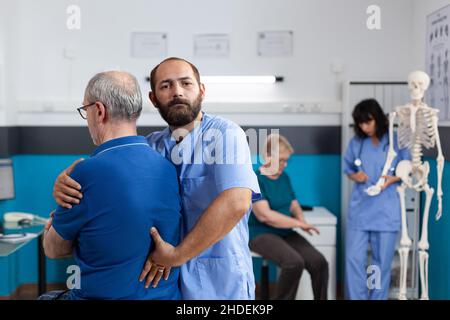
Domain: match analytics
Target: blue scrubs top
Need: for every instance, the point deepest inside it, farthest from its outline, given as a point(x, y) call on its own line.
point(205, 169)
point(381, 212)
point(127, 188)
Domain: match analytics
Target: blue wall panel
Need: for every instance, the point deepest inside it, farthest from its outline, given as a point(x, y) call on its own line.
point(33, 177)
point(439, 238)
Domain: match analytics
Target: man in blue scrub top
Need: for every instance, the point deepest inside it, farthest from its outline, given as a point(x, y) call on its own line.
point(127, 188)
point(213, 161)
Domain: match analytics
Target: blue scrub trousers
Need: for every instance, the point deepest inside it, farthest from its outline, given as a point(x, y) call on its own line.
point(356, 262)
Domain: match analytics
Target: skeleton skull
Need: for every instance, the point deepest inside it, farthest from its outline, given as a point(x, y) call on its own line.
point(418, 82)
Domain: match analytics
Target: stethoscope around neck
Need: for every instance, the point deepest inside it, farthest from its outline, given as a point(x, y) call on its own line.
point(358, 162)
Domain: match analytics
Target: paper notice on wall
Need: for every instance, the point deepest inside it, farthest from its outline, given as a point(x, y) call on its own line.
point(148, 45)
point(275, 43)
point(437, 55)
point(212, 46)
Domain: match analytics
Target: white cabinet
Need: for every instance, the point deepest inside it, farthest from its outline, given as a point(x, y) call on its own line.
point(325, 242)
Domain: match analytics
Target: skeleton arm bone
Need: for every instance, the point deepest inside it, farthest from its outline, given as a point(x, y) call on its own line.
point(391, 152)
point(376, 189)
point(440, 167)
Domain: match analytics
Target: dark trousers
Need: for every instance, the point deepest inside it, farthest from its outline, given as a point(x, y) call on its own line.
point(293, 253)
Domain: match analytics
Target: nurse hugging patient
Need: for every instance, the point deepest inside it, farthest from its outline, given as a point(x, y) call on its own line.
point(195, 209)
point(373, 220)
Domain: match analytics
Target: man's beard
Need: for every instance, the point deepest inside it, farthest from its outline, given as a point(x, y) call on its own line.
point(180, 112)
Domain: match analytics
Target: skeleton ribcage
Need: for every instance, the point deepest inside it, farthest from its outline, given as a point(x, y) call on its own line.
point(422, 136)
point(424, 131)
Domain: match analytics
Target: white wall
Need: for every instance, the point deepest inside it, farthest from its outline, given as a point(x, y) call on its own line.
point(8, 63)
point(2, 62)
point(324, 31)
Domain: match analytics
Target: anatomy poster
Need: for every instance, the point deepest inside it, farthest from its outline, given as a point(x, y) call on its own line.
point(437, 55)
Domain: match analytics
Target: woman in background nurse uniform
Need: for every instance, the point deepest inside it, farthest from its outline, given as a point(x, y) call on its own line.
point(371, 219)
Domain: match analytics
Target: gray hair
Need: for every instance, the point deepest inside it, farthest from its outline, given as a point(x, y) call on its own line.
point(119, 92)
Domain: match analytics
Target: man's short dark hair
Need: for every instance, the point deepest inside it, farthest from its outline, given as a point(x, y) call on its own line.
point(153, 72)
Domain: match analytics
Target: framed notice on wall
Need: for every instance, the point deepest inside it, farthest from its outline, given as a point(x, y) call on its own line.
point(148, 45)
point(211, 46)
point(437, 55)
point(275, 43)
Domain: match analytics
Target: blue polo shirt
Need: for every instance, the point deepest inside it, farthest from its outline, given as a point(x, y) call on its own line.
point(127, 188)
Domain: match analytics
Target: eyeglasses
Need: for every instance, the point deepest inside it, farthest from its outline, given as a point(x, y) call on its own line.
point(82, 110)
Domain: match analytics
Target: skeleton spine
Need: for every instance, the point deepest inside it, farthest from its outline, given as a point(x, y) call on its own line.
point(416, 152)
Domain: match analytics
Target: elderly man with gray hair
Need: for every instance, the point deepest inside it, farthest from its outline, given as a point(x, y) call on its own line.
point(127, 188)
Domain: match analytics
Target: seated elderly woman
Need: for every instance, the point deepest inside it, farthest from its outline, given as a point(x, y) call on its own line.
point(272, 222)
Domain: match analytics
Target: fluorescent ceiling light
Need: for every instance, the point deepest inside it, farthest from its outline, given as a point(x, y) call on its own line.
point(241, 79)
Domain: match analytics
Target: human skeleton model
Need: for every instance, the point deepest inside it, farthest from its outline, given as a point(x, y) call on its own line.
point(418, 128)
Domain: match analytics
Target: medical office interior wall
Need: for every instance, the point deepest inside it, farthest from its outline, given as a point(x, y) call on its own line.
point(47, 67)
